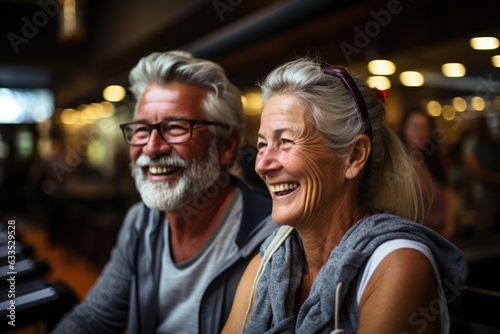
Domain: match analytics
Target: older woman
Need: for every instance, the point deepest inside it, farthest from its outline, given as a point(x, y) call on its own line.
point(349, 256)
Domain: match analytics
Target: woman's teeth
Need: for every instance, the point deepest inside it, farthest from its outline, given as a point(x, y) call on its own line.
point(283, 187)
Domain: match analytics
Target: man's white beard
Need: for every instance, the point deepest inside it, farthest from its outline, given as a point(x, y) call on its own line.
point(164, 196)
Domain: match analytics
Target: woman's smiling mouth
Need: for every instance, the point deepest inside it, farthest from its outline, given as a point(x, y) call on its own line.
point(283, 188)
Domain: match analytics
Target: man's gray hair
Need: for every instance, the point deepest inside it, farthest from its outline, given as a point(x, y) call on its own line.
point(223, 102)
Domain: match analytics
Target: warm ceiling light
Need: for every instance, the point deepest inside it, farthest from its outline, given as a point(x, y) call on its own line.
point(484, 43)
point(252, 103)
point(448, 113)
point(411, 78)
point(381, 67)
point(459, 104)
point(379, 82)
point(453, 70)
point(107, 109)
point(434, 108)
point(68, 116)
point(495, 60)
point(477, 103)
point(72, 26)
point(114, 93)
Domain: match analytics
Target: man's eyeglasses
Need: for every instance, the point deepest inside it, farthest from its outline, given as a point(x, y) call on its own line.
point(173, 131)
point(348, 81)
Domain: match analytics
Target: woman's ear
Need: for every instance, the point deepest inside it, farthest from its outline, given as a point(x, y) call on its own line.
point(357, 159)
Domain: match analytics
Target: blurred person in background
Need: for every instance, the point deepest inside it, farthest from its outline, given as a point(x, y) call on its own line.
point(182, 250)
point(424, 141)
point(482, 161)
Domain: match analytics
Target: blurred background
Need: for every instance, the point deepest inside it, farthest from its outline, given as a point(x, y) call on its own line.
point(64, 175)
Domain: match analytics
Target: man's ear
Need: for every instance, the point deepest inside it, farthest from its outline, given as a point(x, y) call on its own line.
point(227, 149)
point(357, 159)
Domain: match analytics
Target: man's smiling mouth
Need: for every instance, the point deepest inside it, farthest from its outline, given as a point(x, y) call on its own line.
point(162, 170)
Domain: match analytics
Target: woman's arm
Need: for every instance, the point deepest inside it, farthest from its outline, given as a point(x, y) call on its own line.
point(401, 296)
point(236, 318)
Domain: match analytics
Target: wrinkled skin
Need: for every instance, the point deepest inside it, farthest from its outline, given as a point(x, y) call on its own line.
point(292, 152)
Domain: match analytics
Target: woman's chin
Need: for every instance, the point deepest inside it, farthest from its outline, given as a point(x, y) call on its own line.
point(282, 218)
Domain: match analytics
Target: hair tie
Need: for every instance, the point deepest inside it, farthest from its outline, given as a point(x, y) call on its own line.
point(381, 94)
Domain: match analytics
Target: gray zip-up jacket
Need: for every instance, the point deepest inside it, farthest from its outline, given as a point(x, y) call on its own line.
point(126, 293)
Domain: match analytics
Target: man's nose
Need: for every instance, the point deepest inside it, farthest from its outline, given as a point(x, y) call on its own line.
point(156, 145)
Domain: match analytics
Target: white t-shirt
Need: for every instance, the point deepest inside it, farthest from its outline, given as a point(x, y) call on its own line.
point(435, 308)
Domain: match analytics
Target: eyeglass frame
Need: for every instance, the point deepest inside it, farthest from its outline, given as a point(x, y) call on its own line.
point(157, 126)
point(344, 76)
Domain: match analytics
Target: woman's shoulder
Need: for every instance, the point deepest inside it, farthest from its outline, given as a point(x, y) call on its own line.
point(399, 289)
point(392, 248)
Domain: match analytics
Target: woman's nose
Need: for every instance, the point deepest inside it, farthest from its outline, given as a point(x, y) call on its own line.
point(156, 145)
point(266, 161)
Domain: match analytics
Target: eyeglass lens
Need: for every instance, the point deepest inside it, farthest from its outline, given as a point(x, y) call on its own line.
point(173, 132)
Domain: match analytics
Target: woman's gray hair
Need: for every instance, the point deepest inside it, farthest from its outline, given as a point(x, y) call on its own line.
point(389, 183)
point(223, 102)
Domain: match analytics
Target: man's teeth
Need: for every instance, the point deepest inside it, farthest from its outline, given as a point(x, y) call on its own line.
point(283, 187)
point(160, 169)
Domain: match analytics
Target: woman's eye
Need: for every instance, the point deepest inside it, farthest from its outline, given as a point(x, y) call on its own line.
point(261, 145)
point(285, 142)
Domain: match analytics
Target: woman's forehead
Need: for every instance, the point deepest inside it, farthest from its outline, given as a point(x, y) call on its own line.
point(286, 107)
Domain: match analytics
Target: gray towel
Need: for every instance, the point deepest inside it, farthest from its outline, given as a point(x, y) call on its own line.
point(273, 309)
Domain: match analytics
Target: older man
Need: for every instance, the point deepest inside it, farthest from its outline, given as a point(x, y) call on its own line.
point(182, 250)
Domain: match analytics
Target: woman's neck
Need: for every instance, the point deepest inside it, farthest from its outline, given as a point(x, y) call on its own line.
point(324, 232)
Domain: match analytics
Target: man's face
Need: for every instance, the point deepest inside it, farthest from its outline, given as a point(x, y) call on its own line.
point(170, 175)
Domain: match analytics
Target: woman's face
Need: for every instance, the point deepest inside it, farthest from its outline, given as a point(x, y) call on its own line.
point(417, 131)
point(302, 174)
